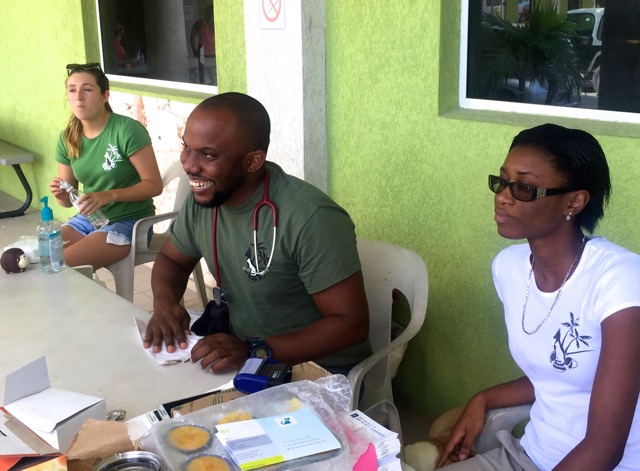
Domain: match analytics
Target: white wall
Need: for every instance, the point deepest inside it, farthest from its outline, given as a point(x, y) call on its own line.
point(286, 72)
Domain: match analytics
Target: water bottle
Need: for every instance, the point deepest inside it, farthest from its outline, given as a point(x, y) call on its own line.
point(50, 241)
point(97, 219)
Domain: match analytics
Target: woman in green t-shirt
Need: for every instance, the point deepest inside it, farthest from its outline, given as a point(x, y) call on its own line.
point(111, 155)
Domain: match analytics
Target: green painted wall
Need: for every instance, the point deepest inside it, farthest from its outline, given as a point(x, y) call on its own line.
point(411, 169)
point(403, 160)
point(32, 94)
point(33, 107)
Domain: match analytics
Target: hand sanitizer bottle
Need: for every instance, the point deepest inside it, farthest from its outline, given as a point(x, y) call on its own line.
point(50, 241)
point(97, 219)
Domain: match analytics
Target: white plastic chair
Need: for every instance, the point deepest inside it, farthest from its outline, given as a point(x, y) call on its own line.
point(386, 268)
point(505, 418)
point(86, 270)
point(144, 251)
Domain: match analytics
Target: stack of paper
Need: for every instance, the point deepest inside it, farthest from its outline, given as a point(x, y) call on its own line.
point(385, 441)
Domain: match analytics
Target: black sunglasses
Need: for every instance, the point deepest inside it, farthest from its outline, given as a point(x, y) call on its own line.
point(89, 66)
point(523, 191)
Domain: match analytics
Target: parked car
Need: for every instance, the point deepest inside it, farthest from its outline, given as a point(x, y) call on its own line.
point(536, 93)
point(588, 24)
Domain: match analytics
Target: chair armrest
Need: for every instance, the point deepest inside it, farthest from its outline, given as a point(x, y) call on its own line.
point(505, 418)
point(142, 226)
point(358, 372)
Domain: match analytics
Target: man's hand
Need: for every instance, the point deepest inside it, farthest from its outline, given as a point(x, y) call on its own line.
point(170, 321)
point(169, 324)
point(219, 352)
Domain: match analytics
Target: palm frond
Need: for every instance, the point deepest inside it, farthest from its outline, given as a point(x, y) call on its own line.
point(540, 50)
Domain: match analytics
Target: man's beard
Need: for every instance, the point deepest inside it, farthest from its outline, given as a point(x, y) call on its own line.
point(232, 183)
point(218, 199)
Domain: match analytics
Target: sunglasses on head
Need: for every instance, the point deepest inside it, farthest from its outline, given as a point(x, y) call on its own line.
point(89, 66)
point(523, 191)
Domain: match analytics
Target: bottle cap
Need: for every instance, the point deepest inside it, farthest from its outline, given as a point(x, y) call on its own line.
point(46, 213)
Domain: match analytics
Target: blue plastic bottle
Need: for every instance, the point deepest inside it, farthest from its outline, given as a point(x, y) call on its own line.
point(50, 240)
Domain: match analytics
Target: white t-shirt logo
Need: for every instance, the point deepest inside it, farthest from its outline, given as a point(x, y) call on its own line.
point(568, 344)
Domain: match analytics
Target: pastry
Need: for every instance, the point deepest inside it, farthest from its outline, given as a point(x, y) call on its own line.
point(294, 404)
point(189, 438)
point(235, 416)
point(207, 463)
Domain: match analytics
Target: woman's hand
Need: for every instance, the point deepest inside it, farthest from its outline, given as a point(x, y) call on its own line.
point(464, 432)
point(65, 172)
point(89, 203)
point(54, 186)
point(60, 195)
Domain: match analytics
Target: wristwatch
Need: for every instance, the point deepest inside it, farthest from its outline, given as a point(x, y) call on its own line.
point(258, 348)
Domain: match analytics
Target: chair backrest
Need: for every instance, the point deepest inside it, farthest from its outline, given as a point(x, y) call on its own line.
point(175, 171)
point(175, 183)
point(387, 268)
point(144, 249)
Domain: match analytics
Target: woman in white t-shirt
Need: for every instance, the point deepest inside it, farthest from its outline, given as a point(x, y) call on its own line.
point(572, 311)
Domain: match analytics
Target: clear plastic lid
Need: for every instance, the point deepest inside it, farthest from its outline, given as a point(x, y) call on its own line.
point(65, 185)
point(130, 461)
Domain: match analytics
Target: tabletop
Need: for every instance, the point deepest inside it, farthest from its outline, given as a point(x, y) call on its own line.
point(89, 338)
point(11, 155)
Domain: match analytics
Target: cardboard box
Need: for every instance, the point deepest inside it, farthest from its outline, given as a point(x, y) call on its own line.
point(55, 415)
point(97, 439)
point(309, 371)
point(191, 405)
point(137, 426)
point(58, 463)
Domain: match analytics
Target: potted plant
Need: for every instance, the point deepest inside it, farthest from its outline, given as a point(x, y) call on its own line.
point(515, 59)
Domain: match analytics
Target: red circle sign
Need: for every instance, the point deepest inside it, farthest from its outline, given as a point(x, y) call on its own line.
point(271, 9)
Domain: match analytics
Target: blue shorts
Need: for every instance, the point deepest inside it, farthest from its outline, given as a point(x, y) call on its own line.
point(118, 233)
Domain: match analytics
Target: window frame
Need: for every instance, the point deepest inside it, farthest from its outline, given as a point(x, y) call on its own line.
point(142, 82)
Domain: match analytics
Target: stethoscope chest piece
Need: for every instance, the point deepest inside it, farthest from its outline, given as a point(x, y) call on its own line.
point(219, 295)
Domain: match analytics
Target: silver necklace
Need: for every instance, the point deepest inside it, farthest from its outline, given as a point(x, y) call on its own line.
point(526, 293)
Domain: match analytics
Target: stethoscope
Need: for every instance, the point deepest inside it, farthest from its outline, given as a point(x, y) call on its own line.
point(253, 271)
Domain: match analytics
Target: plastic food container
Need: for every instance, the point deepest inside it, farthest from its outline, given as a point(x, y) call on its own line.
point(130, 461)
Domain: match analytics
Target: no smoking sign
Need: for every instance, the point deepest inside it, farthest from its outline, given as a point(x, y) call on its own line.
point(271, 14)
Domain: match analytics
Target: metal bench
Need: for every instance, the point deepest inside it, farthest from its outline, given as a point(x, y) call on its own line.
point(14, 156)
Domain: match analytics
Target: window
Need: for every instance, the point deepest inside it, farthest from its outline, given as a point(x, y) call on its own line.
point(170, 43)
point(531, 57)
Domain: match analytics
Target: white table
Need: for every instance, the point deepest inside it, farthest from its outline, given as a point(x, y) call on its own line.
point(14, 156)
point(88, 336)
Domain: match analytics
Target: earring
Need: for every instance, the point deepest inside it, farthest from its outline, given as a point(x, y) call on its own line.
point(568, 217)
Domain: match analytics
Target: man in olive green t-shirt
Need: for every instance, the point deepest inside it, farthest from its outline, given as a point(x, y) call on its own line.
point(299, 294)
